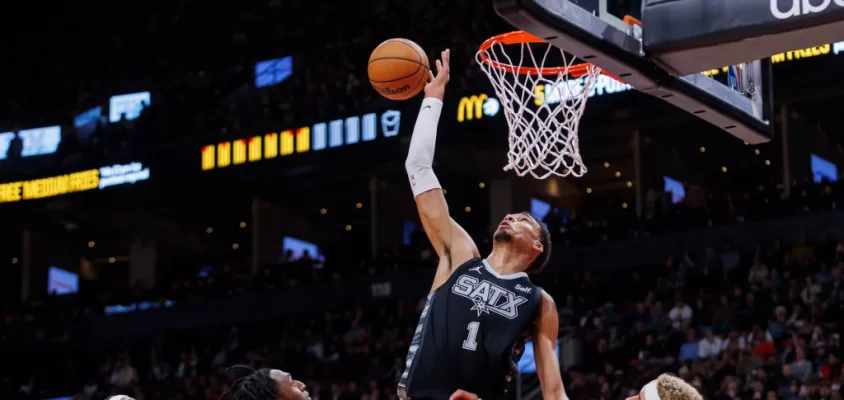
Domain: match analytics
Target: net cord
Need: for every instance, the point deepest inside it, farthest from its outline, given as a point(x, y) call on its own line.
point(542, 141)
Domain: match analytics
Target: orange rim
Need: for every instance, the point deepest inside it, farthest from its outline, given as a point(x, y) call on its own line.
point(522, 37)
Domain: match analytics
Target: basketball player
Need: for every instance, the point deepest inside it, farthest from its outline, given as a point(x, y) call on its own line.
point(274, 384)
point(479, 311)
point(666, 387)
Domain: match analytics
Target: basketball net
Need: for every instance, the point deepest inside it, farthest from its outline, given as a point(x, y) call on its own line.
point(543, 106)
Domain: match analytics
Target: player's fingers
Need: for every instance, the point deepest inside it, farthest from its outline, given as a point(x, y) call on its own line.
point(439, 67)
point(447, 57)
point(431, 76)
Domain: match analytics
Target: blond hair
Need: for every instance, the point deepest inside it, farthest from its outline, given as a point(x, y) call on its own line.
point(673, 388)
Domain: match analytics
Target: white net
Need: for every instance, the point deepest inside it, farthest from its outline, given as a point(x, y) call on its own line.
point(543, 106)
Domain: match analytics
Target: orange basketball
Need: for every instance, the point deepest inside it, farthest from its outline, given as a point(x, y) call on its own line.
point(398, 69)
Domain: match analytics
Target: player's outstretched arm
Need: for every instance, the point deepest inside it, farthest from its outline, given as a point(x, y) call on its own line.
point(452, 243)
point(546, 328)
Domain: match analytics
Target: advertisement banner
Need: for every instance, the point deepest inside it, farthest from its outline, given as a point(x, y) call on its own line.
point(74, 182)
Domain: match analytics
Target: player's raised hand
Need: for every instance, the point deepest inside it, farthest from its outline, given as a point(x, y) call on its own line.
point(461, 394)
point(436, 84)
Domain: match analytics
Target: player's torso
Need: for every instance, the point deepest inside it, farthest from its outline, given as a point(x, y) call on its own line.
point(467, 333)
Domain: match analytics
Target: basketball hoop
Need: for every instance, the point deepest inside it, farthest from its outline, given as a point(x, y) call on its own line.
point(543, 137)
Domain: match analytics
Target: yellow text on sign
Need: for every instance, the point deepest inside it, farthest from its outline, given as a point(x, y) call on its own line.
point(787, 56)
point(49, 187)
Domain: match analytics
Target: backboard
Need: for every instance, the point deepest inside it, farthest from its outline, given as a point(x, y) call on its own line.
point(679, 40)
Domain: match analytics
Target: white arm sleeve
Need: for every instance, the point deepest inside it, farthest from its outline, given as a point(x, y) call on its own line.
point(420, 156)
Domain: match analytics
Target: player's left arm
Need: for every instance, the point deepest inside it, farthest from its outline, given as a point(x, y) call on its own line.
point(546, 328)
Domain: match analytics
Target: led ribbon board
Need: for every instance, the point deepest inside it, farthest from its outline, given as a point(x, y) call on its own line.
point(320, 136)
point(74, 182)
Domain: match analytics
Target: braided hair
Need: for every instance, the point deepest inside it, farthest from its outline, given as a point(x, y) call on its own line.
point(257, 385)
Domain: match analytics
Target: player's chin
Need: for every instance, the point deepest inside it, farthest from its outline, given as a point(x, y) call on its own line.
point(503, 234)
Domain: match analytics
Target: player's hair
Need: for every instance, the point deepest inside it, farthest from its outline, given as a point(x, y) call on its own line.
point(545, 238)
point(258, 385)
point(673, 388)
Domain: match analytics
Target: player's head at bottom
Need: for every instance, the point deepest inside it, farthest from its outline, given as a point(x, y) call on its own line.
point(267, 384)
point(525, 234)
point(667, 387)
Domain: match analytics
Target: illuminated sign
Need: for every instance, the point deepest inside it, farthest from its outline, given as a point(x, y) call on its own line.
point(273, 71)
point(475, 107)
point(121, 174)
point(89, 117)
point(320, 136)
point(61, 282)
point(572, 88)
point(40, 141)
point(139, 306)
point(86, 123)
point(5, 142)
point(127, 105)
point(834, 48)
point(71, 183)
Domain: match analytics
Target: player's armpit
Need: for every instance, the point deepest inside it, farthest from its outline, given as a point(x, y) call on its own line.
point(546, 328)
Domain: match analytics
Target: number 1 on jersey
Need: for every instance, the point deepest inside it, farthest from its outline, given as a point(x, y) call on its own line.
point(471, 342)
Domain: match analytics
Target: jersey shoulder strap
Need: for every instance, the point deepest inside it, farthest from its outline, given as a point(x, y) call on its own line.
point(470, 264)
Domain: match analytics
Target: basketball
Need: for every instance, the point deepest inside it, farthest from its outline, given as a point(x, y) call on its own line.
point(398, 69)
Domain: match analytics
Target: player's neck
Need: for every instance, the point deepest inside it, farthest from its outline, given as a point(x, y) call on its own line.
point(506, 260)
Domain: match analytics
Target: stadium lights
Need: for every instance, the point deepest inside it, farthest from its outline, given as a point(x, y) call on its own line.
point(358, 205)
point(467, 209)
point(723, 169)
point(702, 149)
point(606, 164)
point(588, 190)
point(235, 246)
point(348, 228)
point(242, 224)
point(209, 230)
point(767, 162)
point(323, 211)
point(91, 244)
point(624, 205)
point(617, 174)
point(482, 185)
point(629, 184)
point(112, 260)
point(14, 260)
point(757, 151)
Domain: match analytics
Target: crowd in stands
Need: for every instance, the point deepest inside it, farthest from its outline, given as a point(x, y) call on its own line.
point(736, 323)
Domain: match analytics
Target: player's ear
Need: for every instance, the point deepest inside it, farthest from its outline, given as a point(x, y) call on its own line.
point(537, 245)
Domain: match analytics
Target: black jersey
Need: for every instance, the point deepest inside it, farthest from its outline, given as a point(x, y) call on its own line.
point(470, 333)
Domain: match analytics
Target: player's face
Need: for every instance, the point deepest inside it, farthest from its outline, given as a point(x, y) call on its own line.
point(520, 229)
point(289, 389)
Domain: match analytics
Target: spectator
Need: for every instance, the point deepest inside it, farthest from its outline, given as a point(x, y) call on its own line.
point(124, 374)
point(831, 370)
point(681, 314)
point(690, 350)
point(758, 274)
point(710, 346)
point(159, 370)
point(811, 292)
point(801, 368)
